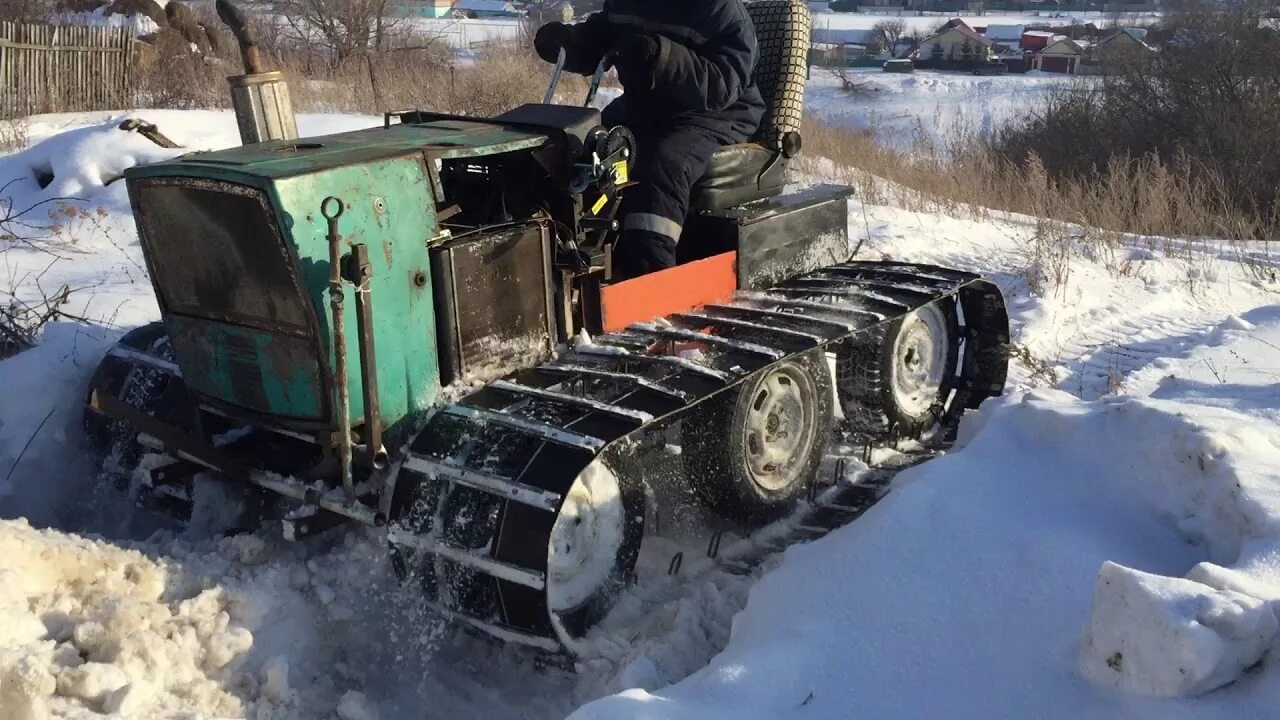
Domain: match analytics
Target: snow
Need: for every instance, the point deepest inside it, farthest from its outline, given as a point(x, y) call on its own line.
point(966, 592)
point(927, 23)
point(933, 106)
point(100, 626)
point(470, 33)
point(586, 538)
point(1171, 637)
point(138, 23)
point(1103, 542)
point(1005, 33)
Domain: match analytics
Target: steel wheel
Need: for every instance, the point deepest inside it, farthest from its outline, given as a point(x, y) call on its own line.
point(897, 380)
point(586, 538)
point(594, 544)
point(752, 453)
point(919, 361)
point(779, 427)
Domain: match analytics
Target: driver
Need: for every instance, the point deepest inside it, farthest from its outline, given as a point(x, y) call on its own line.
point(686, 67)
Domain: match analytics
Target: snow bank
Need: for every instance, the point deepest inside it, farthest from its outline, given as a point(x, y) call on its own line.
point(1169, 636)
point(91, 626)
point(966, 593)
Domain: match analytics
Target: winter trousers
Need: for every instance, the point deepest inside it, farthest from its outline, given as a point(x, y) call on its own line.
point(670, 159)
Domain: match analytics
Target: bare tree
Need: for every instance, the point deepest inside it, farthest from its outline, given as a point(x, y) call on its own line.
point(850, 83)
point(890, 32)
point(347, 30)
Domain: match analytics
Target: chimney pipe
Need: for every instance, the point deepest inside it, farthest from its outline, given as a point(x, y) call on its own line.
point(260, 97)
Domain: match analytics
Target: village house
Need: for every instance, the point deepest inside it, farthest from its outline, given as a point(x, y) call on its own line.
point(1005, 37)
point(842, 46)
point(422, 8)
point(551, 12)
point(456, 9)
point(1128, 40)
point(476, 9)
point(1036, 40)
point(957, 43)
point(1061, 55)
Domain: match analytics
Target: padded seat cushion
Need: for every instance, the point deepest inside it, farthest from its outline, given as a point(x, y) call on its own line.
point(739, 174)
point(734, 175)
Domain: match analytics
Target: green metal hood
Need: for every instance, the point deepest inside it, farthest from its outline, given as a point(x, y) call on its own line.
point(438, 139)
point(237, 250)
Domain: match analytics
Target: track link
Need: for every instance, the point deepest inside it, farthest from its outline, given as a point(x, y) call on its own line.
point(480, 490)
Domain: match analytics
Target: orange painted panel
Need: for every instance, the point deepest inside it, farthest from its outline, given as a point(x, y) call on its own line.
point(673, 290)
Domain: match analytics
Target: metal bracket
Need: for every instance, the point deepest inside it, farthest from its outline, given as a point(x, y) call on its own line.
point(713, 546)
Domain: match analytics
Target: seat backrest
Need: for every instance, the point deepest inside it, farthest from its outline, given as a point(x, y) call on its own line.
point(782, 32)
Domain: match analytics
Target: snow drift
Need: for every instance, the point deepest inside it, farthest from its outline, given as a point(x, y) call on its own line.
point(87, 626)
point(966, 593)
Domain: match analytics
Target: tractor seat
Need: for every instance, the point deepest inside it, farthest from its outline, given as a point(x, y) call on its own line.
point(757, 169)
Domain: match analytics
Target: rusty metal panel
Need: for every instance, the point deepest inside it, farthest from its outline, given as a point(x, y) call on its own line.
point(493, 301)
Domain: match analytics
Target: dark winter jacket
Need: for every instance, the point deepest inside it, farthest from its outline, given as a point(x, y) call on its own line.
point(706, 56)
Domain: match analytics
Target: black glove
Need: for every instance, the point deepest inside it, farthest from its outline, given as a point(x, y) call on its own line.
point(551, 39)
point(637, 54)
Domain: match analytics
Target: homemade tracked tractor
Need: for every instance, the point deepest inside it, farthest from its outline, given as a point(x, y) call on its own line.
point(414, 327)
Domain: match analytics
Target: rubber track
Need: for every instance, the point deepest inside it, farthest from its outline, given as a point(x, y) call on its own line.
point(477, 490)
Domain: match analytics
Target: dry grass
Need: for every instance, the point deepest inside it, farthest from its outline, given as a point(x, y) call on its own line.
point(424, 75)
point(498, 78)
point(1090, 218)
point(13, 135)
point(1143, 196)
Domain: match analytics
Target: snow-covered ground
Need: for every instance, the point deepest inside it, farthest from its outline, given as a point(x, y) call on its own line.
point(466, 32)
point(929, 105)
point(1101, 544)
point(925, 23)
point(469, 33)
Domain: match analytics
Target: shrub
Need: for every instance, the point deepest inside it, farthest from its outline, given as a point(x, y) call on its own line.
point(1207, 106)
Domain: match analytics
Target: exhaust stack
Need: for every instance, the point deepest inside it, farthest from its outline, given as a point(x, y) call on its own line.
point(260, 97)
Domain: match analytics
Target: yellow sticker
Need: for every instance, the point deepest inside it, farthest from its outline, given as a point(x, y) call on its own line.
point(620, 174)
point(604, 200)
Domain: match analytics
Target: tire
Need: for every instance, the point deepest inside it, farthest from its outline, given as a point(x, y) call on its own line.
point(727, 446)
point(113, 445)
point(898, 382)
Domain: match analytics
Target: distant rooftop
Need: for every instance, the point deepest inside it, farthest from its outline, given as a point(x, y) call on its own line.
point(1005, 33)
point(493, 6)
point(844, 36)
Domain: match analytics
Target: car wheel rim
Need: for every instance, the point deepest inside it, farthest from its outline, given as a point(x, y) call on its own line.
point(920, 361)
point(780, 426)
point(586, 538)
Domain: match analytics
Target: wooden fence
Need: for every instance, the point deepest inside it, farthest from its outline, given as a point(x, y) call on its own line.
point(61, 68)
